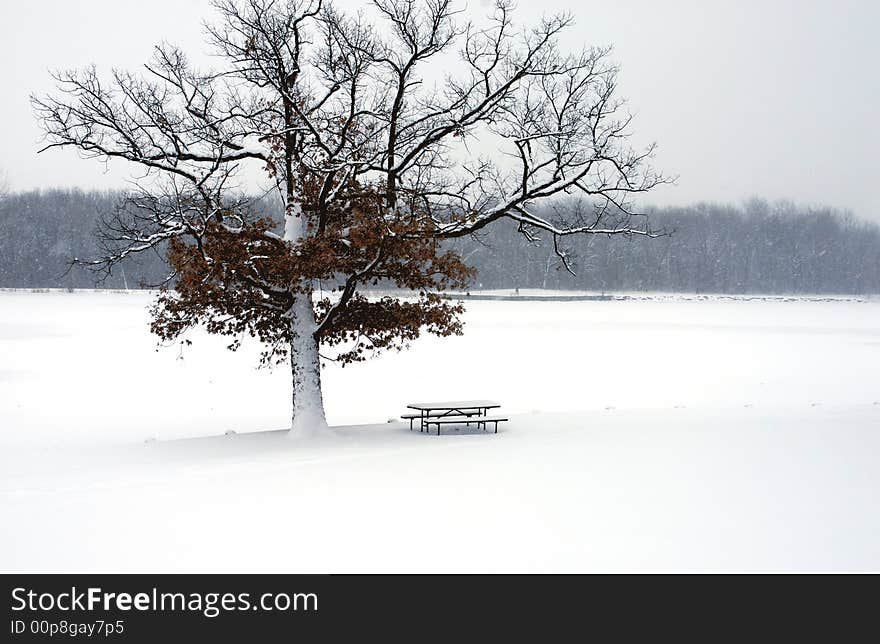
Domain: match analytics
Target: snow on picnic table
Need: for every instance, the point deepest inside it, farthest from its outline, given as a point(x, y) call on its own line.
point(657, 434)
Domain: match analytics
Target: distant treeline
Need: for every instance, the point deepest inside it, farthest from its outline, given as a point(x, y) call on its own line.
point(42, 231)
point(755, 248)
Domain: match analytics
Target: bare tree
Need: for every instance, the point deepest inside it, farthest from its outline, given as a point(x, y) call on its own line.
point(376, 164)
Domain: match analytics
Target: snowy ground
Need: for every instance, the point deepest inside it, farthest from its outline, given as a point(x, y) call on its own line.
point(663, 434)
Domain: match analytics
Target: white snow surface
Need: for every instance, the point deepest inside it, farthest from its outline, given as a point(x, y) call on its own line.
point(645, 435)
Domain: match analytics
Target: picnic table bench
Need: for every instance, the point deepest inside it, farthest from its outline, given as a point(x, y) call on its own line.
point(460, 412)
point(467, 420)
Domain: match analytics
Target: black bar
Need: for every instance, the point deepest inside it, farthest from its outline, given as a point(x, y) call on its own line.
point(542, 608)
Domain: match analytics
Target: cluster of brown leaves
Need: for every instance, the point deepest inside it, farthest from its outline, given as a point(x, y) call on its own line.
point(242, 281)
point(368, 326)
point(221, 286)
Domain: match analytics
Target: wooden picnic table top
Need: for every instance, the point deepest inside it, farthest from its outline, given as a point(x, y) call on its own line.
point(455, 404)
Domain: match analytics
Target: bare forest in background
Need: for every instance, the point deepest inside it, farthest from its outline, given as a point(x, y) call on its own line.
point(757, 247)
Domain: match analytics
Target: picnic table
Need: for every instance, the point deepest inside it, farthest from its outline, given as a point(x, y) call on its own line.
point(453, 412)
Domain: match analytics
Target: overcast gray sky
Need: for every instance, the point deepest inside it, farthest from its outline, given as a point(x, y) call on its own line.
point(771, 98)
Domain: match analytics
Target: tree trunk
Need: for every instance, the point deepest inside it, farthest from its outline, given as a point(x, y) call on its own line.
point(305, 368)
point(305, 364)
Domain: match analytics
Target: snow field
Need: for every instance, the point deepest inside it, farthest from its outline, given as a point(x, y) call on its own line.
point(645, 435)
